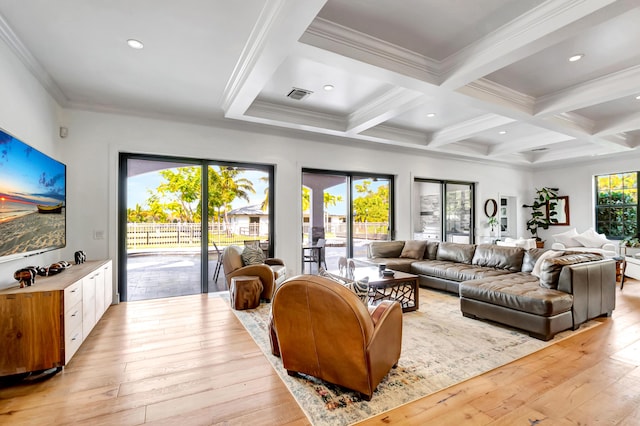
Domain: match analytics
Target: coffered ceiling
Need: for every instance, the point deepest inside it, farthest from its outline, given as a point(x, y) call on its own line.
point(485, 79)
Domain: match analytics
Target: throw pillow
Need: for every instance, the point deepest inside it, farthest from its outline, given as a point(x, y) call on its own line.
point(414, 249)
point(359, 287)
point(568, 238)
point(252, 256)
point(591, 238)
point(546, 255)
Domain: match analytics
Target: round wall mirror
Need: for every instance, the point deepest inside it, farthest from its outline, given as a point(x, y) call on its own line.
point(490, 207)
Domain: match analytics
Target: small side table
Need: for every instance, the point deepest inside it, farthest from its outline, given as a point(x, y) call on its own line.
point(621, 266)
point(244, 292)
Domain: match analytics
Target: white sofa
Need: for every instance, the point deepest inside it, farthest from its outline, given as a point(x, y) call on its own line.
point(588, 241)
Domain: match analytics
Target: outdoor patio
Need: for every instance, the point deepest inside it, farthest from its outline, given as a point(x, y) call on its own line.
point(159, 274)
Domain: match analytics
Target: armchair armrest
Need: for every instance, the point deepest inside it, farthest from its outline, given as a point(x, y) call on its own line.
point(558, 246)
point(386, 343)
point(611, 247)
point(273, 261)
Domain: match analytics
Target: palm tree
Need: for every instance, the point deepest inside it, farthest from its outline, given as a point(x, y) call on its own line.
point(232, 186)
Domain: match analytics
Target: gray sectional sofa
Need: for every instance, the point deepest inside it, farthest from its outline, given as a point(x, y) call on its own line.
point(496, 282)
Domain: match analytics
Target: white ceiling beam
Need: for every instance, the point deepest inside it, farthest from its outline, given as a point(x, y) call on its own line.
point(541, 27)
point(467, 129)
point(390, 104)
point(621, 125)
point(296, 118)
point(276, 32)
point(598, 91)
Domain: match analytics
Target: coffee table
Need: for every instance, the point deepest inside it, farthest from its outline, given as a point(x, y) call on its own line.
point(402, 287)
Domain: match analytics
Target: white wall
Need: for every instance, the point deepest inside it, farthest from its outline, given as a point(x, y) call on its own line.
point(577, 182)
point(28, 113)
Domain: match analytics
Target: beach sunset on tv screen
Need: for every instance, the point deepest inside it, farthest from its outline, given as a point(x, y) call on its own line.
point(32, 200)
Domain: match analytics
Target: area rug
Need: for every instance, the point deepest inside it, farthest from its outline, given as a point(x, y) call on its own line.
point(440, 348)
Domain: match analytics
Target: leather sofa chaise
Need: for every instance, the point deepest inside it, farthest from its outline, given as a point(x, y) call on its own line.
point(496, 283)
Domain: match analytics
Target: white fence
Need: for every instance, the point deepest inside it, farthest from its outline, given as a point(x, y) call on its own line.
point(176, 235)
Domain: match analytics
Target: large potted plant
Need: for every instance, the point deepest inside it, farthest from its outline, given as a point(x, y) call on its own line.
point(542, 212)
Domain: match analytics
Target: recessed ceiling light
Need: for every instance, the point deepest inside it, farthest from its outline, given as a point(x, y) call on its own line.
point(135, 44)
point(431, 115)
point(328, 87)
point(502, 132)
point(576, 57)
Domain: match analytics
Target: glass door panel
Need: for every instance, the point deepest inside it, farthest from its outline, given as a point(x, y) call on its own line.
point(238, 213)
point(428, 214)
point(371, 208)
point(324, 217)
point(458, 202)
point(163, 241)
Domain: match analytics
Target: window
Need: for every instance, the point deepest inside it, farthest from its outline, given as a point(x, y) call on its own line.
point(617, 205)
point(444, 210)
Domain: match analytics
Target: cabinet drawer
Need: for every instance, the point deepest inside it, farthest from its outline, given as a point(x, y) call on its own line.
point(72, 319)
point(72, 295)
point(72, 343)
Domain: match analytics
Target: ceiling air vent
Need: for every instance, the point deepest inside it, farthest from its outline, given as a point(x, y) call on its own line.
point(298, 94)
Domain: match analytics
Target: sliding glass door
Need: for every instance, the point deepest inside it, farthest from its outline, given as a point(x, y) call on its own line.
point(443, 210)
point(344, 211)
point(171, 242)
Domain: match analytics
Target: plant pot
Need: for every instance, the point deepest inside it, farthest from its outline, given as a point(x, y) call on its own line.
point(540, 244)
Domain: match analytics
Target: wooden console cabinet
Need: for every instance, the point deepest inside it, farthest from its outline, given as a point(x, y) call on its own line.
point(42, 326)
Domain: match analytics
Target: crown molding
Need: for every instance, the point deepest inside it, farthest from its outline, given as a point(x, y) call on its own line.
point(348, 42)
point(391, 133)
point(31, 63)
point(490, 91)
point(619, 125)
point(287, 116)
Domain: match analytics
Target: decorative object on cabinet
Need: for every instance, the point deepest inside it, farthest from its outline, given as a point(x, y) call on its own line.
point(79, 257)
point(26, 276)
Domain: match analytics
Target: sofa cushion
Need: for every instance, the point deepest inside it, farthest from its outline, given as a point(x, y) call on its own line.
point(495, 256)
point(567, 238)
point(432, 250)
point(252, 256)
point(551, 268)
point(453, 271)
point(530, 258)
point(456, 252)
point(520, 291)
point(413, 249)
point(591, 238)
point(397, 264)
point(385, 248)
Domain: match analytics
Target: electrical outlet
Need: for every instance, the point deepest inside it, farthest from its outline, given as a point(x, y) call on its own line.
point(98, 235)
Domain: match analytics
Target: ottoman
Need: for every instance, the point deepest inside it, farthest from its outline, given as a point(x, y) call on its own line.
point(245, 292)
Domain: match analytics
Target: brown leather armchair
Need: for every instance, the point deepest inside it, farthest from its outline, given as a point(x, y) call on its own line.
point(322, 329)
point(272, 272)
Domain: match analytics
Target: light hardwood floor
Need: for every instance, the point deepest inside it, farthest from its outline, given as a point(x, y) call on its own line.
point(188, 360)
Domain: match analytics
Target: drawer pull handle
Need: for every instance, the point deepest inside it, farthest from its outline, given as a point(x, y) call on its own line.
point(74, 290)
point(74, 314)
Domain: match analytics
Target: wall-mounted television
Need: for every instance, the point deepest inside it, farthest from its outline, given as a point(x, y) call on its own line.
point(32, 200)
